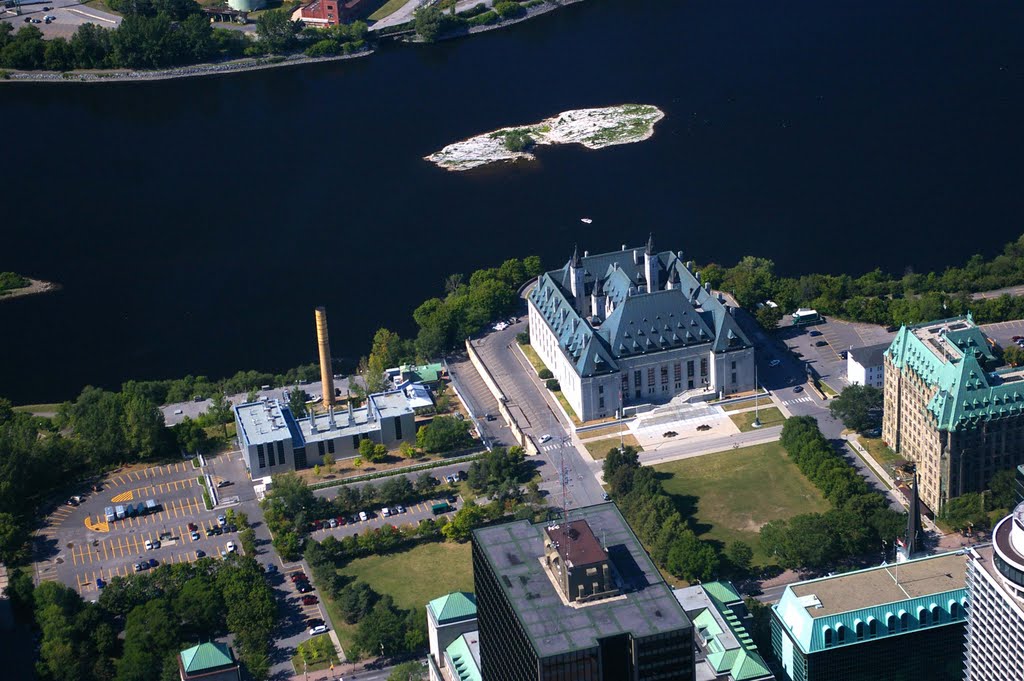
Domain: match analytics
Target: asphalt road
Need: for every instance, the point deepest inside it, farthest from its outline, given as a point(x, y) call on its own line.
point(414, 513)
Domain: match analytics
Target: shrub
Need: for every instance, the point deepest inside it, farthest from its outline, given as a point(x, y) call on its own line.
point(545, 374)
point(552, 385)
point(508, 9)
point(473, 11)
point(523, 338)
point(487, 17)
point(517, 140)
point(322, 48)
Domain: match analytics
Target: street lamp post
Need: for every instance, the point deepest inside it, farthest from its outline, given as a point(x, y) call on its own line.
point(757, 411)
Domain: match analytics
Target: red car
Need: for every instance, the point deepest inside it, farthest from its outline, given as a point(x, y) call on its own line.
point(297, 576)
point(341, 520)
point(309, 600)
point(192, 527)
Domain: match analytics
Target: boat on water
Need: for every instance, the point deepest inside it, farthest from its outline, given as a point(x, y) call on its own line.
point(586, 220)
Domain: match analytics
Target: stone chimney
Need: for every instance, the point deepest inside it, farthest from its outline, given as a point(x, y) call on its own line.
point(597, 301)
point(577, 283)
point(651, 266)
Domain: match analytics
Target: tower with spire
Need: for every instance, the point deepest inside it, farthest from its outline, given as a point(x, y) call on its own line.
point(651, 272)
point(911, 543)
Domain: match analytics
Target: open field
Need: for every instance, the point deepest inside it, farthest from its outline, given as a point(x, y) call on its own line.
point(599, 448)
point(770, 416)
point(387, 9)
point(412, 577)
point(732, 494)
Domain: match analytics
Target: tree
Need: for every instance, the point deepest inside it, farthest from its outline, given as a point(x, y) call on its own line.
point(408, 671)
point(768, 317)
point(428, 22)
point(1004, 488)
point(443, 434)
point(297, 402)
point(329, 462)
point(276, 30)
point(371, 451)
point(385, 353)
point(691, 559)
point(1013, 355)
point(462, 524)
point(751, 280)
point(739, 554)
point(407, 450)
point(381, 630)
point(859, 407)
point(150, 635)
point(356, 600)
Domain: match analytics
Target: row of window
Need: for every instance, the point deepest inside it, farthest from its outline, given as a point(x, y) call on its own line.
point(262, 454)
point(925, 617)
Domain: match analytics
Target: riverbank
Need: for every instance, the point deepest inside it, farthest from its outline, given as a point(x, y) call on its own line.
point(35, 287)
point(192, 71)
point(249, 64)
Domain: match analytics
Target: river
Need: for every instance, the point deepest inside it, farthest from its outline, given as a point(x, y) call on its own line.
point(194, 224)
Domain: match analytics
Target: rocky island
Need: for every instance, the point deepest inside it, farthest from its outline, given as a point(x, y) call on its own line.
point(593, 128)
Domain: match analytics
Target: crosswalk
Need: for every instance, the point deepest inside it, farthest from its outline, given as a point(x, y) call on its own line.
point(805, 398)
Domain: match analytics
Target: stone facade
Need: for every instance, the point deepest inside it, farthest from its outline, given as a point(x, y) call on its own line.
point(635, 327)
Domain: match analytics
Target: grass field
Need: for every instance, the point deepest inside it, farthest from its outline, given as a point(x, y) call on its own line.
point(744, 404)
point(599, 448)
point(770, 416)
point(39, 408)
point(732, 494)
point(411, 577)
point(387, 9)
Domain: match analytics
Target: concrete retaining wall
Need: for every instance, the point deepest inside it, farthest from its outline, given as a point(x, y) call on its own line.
point(522, 438)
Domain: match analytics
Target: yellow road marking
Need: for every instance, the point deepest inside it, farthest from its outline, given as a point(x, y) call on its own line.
point(105, 556)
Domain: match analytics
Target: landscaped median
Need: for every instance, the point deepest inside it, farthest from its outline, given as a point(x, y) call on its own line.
point(768, 416)
point(315, 654)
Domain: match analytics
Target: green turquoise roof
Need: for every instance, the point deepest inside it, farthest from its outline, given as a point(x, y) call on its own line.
point(741, 662)
point(423, 373)
point(952, 362)
point(455, 606)
point(463, 662)
point(722, 591)
point(206, 656)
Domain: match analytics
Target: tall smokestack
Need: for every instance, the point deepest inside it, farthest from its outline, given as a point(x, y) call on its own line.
point(326, 372)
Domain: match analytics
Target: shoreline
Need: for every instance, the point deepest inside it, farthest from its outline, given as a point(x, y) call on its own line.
point(248, 64)
point(193, 71)
point(35, 287)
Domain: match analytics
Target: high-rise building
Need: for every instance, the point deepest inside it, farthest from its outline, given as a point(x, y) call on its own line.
point(887, 623)
point(950, 410)
point(995, 620)
point(635, 327)
point(576, 601)
point(453, 637)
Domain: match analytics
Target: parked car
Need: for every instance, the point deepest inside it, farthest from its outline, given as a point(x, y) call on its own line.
point(192, 527)
point(309, 600)
point(332, 523)
point(139, 567)
point(544, 438)
point(318, 629)
point(222, 520)
point(798, 389)
point(820, 343)
point(297, 576)
point(385, 511)
point(606, 496)
point(399, 509)
point(814, 333)
point(490, 417)
point(153, 562)
point(775, 362)
point(362, 515)
point(303, 587)
point(231, 547)
point(149, 545)
point(702, 427)
point(340, 520)
point(200, 554)
point(271, 568)
point(100, 583)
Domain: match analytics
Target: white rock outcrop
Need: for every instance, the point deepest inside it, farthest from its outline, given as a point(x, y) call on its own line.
point(593, 128)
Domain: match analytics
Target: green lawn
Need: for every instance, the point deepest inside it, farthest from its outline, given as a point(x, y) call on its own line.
point(321, 654)
point(745, 404)
point(39, 408)
point(389, 8)
point(567, 407)
point(732, 494)
point(412, 577)
point(880, 452)
point(770, 416)
point(601, 432)
point(534, 358)
point(599, 448)
point(828, 390)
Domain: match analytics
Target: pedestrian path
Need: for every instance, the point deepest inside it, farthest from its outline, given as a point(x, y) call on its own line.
point(805, 398)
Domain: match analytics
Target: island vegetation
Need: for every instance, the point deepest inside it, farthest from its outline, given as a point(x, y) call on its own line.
point(10, 281)
point(593, 128)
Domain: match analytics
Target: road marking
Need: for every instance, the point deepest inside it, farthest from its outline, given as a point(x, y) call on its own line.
point(105, 557)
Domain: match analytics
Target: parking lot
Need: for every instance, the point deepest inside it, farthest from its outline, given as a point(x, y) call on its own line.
point(67, 16)
point(79, 546)
point(1003, 332)
point(836, 338)
point(413, 515)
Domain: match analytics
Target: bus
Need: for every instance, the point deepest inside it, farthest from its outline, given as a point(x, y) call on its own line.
point(805, 316)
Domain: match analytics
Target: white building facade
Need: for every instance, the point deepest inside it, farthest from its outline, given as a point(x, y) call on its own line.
point(635, 327)
point(995, 615)
point(866, 366)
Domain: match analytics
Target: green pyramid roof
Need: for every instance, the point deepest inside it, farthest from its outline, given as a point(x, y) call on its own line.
point(206, 656)
point(724, 592)
point(455, 606)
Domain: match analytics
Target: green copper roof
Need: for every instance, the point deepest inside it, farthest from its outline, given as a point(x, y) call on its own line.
point(722, 591)
point(206, 656)
point(739, 660)
point(951, 356)
point(455, 606)
point(463, 662)
point(423, 373)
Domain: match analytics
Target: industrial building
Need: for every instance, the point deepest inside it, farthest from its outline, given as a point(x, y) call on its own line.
point(578, 600)
point(723, 648)
point(885, 623)
point(635, 327)
point(454, 639)
point(273, 441)
point(950, 409)
point(995, 621)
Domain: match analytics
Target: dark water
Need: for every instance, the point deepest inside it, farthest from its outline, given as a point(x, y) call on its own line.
point(195, 224)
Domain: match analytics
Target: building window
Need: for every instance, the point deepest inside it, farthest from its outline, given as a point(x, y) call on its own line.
point(890, 624)
point(280, 452)
point(637, 382)
point(625, 383)
point(904, 621)
point(734, 377)
point(733, 364)
point(355, 442)
point(650, 375)
point(704, 366)
point(664, 376)
point(638, 393)
point(398, 428)
point(330, 446)
point(689, 369)
point(828, 637)
point(689, 384)
point(259, 453)
point(600, 403)
point(320, 447)
point(677, 373)
point(859, 629)
point(600, 390)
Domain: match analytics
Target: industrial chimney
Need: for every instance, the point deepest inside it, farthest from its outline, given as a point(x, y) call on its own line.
point(324, 344)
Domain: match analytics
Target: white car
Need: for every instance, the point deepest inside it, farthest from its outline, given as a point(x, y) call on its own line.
point(362, 515)
point(231, 547)
point(544, 438)
point(775, 362)
point(318, 629)
point(385, 511)
point(149, 545)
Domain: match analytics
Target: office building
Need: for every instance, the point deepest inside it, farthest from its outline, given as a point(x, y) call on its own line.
point(576, 601)
point(273, 441)
point(723, 649)
point(995, 619)
point(885, 623)
point(950, 410)
point(454, 640)
point(635, 327)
